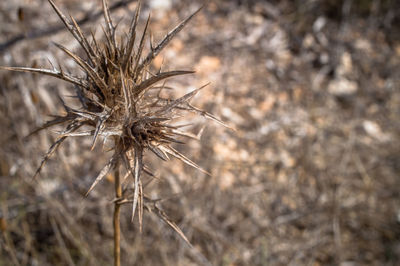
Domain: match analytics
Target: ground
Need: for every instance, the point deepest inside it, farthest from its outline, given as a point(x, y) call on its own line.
point(308, 174)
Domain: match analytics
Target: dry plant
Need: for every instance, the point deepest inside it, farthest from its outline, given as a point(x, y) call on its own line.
point(120, 100)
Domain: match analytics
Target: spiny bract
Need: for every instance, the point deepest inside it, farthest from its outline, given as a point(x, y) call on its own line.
point(118, 99)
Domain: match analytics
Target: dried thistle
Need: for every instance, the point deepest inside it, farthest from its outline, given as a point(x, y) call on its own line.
point(118, 100)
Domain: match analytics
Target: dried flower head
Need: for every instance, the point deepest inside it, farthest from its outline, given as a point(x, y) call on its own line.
point(119, 99)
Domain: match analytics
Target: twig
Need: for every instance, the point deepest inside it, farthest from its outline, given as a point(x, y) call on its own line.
point(117, 229)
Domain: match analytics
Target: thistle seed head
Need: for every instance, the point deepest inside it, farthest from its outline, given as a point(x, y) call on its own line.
point(120, 98)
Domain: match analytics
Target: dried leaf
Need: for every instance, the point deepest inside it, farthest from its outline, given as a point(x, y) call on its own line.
point(131, 38)
point(136, 71)
point(48, 72)
point(137, 169)
point(180, 100)
point(85, 66)
point(165, 218)
point(74, 31)
point(50, 152)
point(165, 41)
point(182, 157)
point(148, 82)
point(111, 163)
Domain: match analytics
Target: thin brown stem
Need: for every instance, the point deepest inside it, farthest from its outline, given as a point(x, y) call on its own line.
point(117, 229)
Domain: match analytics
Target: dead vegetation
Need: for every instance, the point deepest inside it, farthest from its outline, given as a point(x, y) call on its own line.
point(310, 177)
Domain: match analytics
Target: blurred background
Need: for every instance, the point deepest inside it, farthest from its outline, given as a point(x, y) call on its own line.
point(309, 177)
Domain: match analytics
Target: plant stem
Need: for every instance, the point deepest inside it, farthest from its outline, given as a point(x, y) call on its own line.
point(117, 229)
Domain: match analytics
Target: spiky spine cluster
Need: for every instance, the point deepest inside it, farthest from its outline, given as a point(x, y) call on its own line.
point(118, 100)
